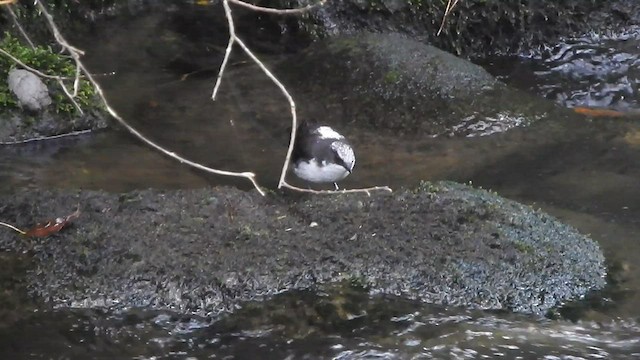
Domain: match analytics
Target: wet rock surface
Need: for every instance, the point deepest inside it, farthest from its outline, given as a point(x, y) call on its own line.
point(475, 28)
point(17, 126)
point(393, 82)
point(207, 250)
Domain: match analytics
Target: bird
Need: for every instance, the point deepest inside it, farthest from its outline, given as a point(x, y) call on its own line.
point(321, 154)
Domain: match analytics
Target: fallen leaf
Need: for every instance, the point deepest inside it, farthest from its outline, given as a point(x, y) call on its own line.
point(595, 112)
point(52, 226)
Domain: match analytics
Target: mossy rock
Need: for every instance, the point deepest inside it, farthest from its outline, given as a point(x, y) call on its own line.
point(206, 251)
point(62, 116)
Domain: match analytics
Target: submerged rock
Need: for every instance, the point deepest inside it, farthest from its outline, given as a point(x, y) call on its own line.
point(206, 251)
point(393, 82)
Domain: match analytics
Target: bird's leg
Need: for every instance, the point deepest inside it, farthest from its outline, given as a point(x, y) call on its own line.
point(336, 185)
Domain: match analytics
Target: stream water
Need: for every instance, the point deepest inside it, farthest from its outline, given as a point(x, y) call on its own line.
point(589, 180)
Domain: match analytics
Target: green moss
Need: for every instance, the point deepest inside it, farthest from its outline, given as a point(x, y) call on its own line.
point(428, 187)
point(523, 247)
point(46, 60)
point(392, 77)
point(247, 232)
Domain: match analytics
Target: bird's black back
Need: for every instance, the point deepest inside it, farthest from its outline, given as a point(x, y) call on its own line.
point(309, 145)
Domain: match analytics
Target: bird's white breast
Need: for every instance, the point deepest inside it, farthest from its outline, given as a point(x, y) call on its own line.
point(319, 172)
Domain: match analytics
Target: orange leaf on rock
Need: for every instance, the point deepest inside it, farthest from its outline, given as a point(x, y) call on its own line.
point(596, 112)
point(52, 226)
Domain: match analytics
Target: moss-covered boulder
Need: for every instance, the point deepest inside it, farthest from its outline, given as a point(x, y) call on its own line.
point(207, 250)
point(43, 109)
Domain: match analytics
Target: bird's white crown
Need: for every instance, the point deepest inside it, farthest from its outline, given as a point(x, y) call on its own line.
point(327, 132)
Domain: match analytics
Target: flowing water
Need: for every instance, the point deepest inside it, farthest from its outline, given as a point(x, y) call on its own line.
point(588, 178)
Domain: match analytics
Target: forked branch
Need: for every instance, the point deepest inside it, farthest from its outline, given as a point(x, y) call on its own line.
point(451, 4)
point(233, 38)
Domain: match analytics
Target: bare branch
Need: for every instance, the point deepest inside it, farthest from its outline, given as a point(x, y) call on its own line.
point(450, 5)
point(227, 52)
point(233, 38)
point(75, 54)
point(13, 227)
point(35, 71)
point(17, 23)
point(333, 192)
point(278, 11)
point(71, 96)
point(292, 104)
point(42, 138)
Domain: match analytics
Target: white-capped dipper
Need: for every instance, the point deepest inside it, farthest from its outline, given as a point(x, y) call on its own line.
point(321, 154)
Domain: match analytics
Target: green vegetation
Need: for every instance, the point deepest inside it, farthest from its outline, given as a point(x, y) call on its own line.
point(392, 77)
point(523, 247)
point(49, 62)
point(428, 187)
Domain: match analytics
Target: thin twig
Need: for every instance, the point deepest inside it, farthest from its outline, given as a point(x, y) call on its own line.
point(292, 104)
point(35, 71)
point(17, 24)
point(345, 191)
point(227, 52)
point(42, 138)
point(278, 11)
point(13, 227)
point(75, 54)
point(233, 38)
point(450, 5)
point(70, 96)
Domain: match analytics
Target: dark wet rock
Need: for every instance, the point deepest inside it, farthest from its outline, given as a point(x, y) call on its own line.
point(31, 92)
point(207, 250)
point(16, 126)
point(14, 299)
point(392, 82)
point(475, 28)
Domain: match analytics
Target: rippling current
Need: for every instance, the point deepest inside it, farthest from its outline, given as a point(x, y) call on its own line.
point(600, 71)
point(305, 325)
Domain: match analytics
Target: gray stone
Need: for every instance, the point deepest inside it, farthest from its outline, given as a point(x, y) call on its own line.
point(31, 92)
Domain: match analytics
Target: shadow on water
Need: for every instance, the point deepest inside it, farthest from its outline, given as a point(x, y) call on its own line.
point(584, 171)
